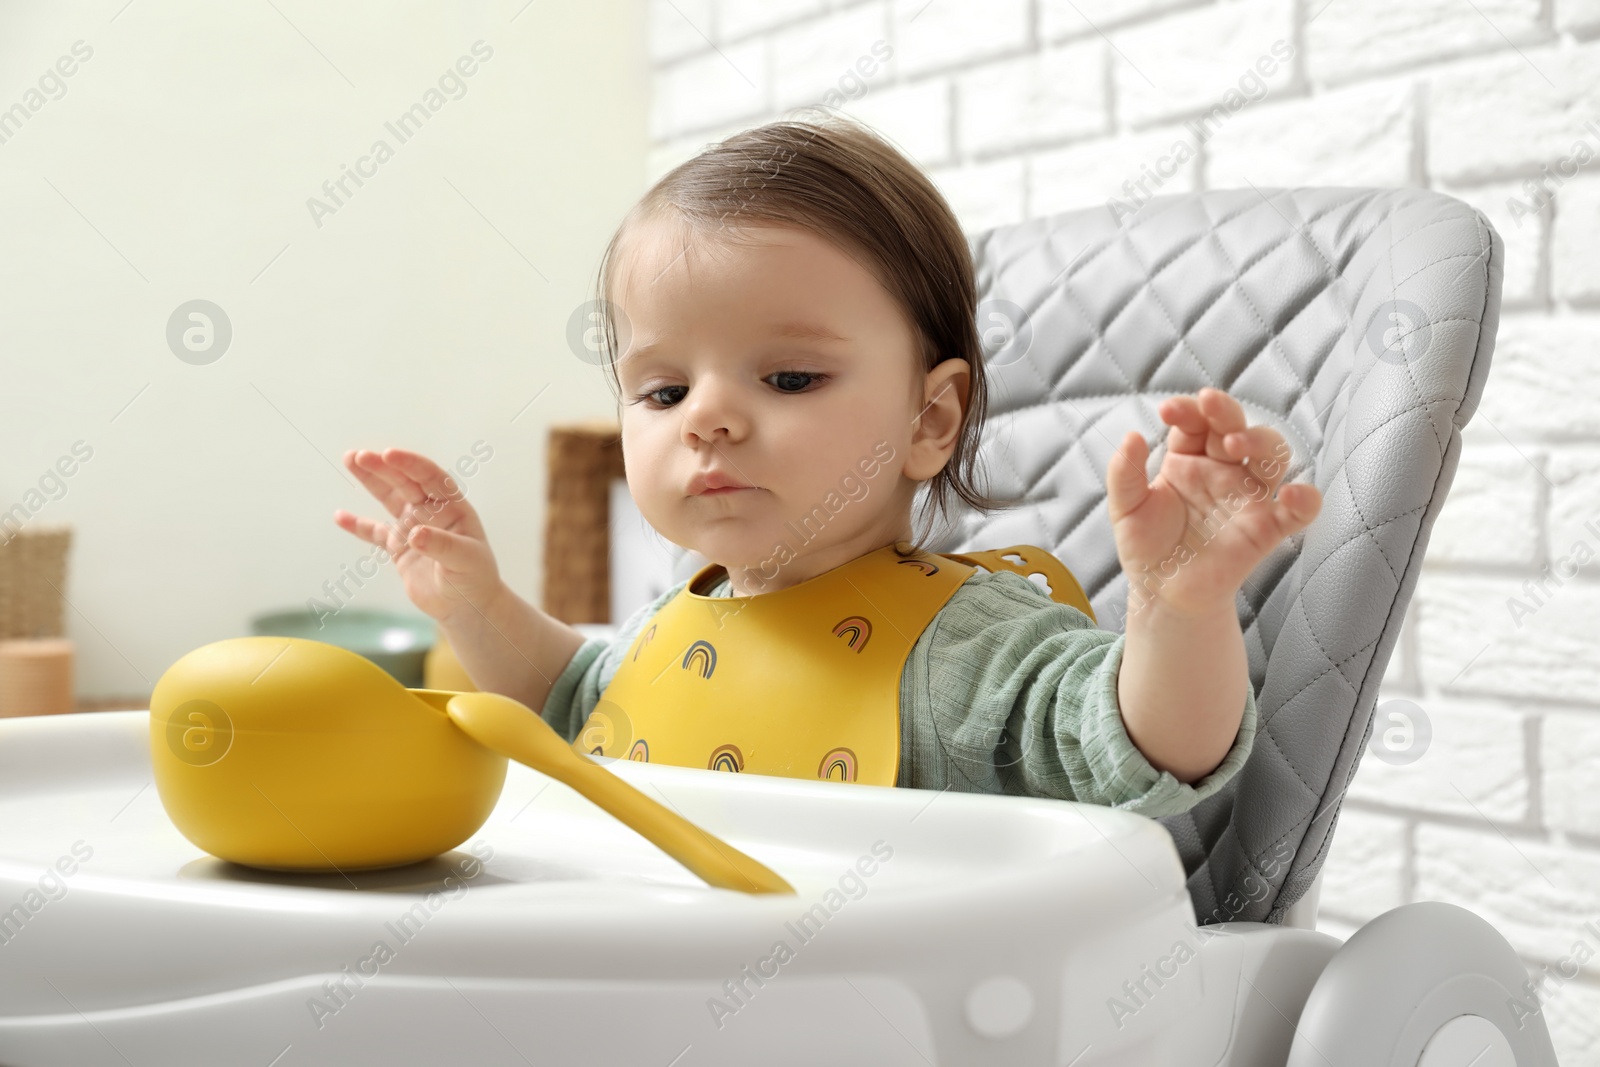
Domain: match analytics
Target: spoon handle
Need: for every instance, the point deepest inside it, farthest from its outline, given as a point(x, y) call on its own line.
point(513, 729)
point(707, 855)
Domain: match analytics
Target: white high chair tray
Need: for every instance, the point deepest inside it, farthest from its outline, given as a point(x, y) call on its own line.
point(926, 928)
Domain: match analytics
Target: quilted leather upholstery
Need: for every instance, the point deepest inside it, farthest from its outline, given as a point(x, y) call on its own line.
point(1269, 296)
point(1280, 297)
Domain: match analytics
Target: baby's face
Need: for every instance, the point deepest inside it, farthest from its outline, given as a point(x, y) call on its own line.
point(727, 370)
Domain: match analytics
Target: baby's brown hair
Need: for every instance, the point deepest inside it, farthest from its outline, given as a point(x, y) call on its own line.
point(838, 179)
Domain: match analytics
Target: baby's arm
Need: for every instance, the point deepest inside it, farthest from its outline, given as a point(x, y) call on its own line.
point(1009, 691)
point(511, 647)
point(1182, 686)
point(1187, 541)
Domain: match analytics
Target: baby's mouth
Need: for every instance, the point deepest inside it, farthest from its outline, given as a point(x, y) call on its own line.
point(717, 483)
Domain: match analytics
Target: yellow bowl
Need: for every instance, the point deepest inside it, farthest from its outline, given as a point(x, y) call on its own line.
point(290, 754)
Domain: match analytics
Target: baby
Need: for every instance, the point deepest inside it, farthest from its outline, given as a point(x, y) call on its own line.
point(792, 310)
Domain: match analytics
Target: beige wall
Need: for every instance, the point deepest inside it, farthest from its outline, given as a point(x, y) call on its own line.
point(425, 312)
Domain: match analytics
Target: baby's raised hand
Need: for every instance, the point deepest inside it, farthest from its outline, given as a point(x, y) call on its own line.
point(438, 545)
point(1188, 538)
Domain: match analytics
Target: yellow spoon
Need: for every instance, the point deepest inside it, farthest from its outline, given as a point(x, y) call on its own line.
point(512, 729)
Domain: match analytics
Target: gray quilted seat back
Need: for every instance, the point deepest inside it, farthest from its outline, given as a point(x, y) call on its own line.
point(1359, 323)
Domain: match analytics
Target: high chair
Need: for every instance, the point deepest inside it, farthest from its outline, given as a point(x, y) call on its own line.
point(926, 928)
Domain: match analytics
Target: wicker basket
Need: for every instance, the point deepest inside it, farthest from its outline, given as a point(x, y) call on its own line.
point(33, 581)
point(584, 458)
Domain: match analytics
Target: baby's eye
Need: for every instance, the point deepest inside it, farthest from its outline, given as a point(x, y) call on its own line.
point(654, 396)
point(787, 383)
point(790, 375)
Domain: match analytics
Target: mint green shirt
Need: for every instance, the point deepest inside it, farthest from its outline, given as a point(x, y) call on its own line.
point(1005, 691)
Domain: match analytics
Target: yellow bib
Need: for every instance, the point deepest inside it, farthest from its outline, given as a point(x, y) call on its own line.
point(803, 682)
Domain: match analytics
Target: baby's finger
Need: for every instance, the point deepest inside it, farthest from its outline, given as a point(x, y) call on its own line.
point(432, 478)
point(392, 491)
point(1263, 450)
point(402, 488)
point(1226, 415)
point(383, 535)
point(460, 556)
point(1190, 427)
point(1126, 484)
point(1297, 506)
point(1252, 441)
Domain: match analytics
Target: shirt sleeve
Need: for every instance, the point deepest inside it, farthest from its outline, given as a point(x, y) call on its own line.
point(1011, 692)
point(577, 688)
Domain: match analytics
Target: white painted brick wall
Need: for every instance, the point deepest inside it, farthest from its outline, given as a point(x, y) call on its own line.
point(1581, 17)
point(1508, 637)
point(916, 117)
point(1359, 38)
point(1053, 95)
point(939, 35)
point(1023, 108)
point(737, 19)
point(1573, 1013)
point(710, 89)
point(1545, 378)
point(1571, 752)
point(1474, 765)
point(681, 35)
point(809, 59)
point(1360, 135)
point(1574, 474)
point(1577, 234)
point(1366, 869)
point(985, 195)
point(1492, 513)
point(1079, 18)
point(1180, 66)
point(1510, 113)
point(1087, 175)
